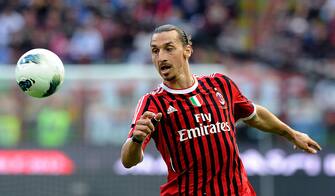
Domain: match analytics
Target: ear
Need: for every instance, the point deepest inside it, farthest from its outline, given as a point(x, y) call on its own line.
point(188, 50)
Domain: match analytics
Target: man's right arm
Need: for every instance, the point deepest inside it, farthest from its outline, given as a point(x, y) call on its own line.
point(132, 152)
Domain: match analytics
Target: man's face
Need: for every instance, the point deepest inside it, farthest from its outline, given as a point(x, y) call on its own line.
point(168, 54)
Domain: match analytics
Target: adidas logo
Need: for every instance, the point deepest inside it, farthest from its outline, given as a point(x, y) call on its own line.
point(171, 109)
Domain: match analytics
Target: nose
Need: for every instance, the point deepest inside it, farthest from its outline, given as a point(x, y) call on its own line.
point(160, 62)
point(161, 57)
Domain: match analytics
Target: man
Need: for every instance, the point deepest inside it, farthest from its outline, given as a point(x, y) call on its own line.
point(196, 132)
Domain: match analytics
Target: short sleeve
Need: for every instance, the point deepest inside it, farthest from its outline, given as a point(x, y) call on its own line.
point(244, 109)
point(143, 105)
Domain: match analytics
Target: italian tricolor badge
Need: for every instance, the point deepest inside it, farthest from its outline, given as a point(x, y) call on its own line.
point(196, 100)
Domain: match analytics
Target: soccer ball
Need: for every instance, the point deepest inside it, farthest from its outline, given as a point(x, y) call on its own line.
point(39, 72)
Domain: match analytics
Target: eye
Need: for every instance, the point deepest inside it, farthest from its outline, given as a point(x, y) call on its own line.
point(169, 49)
point(154, 50)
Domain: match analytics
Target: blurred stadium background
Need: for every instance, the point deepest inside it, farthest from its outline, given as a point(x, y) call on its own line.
point(281, 54)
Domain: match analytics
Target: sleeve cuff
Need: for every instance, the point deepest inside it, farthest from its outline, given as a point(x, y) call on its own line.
point(251, 115)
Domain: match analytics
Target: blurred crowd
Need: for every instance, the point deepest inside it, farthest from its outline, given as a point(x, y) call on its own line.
point(283, 33)
point(282, 53)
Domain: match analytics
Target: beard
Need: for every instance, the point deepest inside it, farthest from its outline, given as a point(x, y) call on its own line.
point(169, 79)
point(170, 76)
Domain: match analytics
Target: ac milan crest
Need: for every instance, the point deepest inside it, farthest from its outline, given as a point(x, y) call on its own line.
point(220, 98)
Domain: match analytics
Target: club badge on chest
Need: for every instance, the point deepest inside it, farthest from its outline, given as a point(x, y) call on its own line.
point(221, 99)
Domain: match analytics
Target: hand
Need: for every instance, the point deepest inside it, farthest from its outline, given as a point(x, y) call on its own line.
point(144, 126)
point(305, 143)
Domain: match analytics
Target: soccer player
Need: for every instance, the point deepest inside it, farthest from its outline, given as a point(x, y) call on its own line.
point(195, 132)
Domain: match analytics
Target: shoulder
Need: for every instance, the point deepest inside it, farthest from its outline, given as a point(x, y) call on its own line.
point(212, 76)
point(158, 91)
point(152, 94)
point(219, 79)
point(148, 101)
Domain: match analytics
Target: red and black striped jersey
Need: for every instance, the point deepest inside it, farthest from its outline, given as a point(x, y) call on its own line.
point(197, 136)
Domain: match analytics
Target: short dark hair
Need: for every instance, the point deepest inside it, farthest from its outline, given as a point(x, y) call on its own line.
point(184, 38)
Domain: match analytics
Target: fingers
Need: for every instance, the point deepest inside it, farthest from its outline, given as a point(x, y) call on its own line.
point(143, 128)
point(156, 119)
point(311, 150)
point(141, 135)
point(307, 149)
point(146, 124)
point(305, 143)
point(148, 114)
point(312, 147)
point(315, 145)
point(158, 116)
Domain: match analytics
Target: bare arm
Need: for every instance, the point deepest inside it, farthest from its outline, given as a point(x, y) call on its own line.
point(131, 152)
point(268, 122)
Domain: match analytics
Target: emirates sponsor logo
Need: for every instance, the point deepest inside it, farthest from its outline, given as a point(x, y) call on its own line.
point(202, 130)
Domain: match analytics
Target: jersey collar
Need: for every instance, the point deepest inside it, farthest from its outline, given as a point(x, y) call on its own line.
point(181, 91)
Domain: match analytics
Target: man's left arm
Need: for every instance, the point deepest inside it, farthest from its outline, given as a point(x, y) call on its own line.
point(266, 121)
